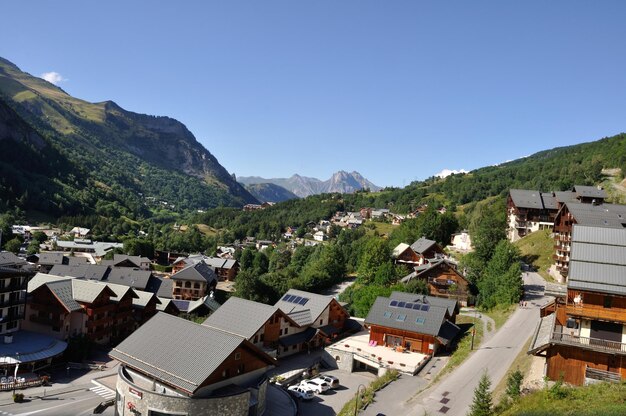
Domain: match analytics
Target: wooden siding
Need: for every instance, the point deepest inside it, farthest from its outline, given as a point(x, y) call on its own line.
point(249, 359)
point(419, 342)
point(569, 363)
point(592, 304)
point(337, 315)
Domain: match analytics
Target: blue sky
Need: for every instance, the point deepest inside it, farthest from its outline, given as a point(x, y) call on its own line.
point(395, 90)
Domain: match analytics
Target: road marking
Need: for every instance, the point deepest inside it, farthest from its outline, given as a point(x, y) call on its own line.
point(53, 407)
point(102, 391)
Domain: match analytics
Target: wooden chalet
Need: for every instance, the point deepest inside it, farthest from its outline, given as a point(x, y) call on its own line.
point(583, 335)
point(417, 323)
point(443, 280)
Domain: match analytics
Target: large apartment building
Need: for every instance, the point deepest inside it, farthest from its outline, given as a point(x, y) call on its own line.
point(583, 335)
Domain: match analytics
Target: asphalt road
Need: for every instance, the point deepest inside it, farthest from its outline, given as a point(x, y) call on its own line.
point(79, 403)
point(453, 395)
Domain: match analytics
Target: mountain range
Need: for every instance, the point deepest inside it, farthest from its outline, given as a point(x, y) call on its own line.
point(302, 186)
point(269, 192)
point(92, 155)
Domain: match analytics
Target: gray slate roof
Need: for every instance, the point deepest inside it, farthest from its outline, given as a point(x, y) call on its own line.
point(434, 318)
point(420, 246)
point(432, 264)
point(143, 298)
point(87, 291)
point(603, 215)
point(316, 304)
point(549, 200)
point(50, 258)
point(87, 271)
point(76, 261)
point(590, 192)
point(199, 272)
point(41, 279)
point(598, 260)
point(163, 287)
point(62, 289)
point(301, 317)
point(8, 259)
point(129, 276)
point(524, 198)
point(450, 304)
point(165, 302)
point(240, 316)
point(136, 260)
point(177, 351)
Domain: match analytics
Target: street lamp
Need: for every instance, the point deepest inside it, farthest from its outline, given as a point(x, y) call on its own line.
point(356, 406)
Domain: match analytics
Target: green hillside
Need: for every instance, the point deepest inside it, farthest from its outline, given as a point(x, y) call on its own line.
point(134, 160)
point(537, 249)
point(596, 400)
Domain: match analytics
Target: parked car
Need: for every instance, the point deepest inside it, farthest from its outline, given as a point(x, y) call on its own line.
point(301, 392)
point(318, 385)
point(332, 381)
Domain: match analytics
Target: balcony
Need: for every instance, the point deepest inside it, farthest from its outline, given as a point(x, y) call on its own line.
point(12, 288)
point(596, 312)
point(13, 302)
point(595, 344)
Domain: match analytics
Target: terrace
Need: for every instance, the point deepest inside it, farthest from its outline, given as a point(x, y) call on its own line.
point(379, 355)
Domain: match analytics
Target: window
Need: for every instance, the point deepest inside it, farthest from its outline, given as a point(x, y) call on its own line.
point(280, 332)
point(321, 322)
point(187, 284)
point(256, 339)
point(401, 317)
point(608, 301)
point(225, 373)
point(420, 321)
point(237, 356)
point(240, 369)
point(196, 285)
point(286, 330)
point(387, 314)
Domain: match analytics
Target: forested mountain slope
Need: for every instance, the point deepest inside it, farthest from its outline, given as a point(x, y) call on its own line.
point(119, 151)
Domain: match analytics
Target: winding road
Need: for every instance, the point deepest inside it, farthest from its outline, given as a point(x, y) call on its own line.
point(453, 395)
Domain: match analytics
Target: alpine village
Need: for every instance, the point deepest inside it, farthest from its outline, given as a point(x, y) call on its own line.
point(139, 277)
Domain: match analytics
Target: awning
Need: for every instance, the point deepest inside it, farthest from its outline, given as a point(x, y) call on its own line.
point(30, 346)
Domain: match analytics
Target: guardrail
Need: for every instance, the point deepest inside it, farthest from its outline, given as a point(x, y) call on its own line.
point(597, 344)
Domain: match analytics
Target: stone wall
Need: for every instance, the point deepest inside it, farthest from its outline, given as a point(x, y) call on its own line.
point(343, 359)
point(142, 401)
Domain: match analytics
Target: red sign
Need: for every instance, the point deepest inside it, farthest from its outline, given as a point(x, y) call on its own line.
point(135, 392)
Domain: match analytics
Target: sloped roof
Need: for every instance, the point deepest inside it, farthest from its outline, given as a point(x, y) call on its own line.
point(399, 249)
point(136, 260)
point(163, 287)
point(315, 303)
point(598, 260)
point(448, 332)
point(8, 259)
point(524, 198)
point(179, 352)
point(88, 291)
point(431, 265)
point(206, 302)
point(215, 262)
point(41, 279)
point(199, 272)
point(121, 291)
point(542, 335)
point(165, 302)
point(590, 192)
point(143, 298)
point(382, 314)
point(603, 215)
point(76, 261)
point(450, 304)
point(63, 290)
point(549, 200)
point(298, 338)
point(129, 276)
point(87, 271)
point(420, 246)
point(240, 316)
point(301, 317)
point(48, 258)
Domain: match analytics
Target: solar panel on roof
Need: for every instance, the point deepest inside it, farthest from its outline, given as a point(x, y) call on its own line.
point(401, 304)
point(285, 297)
point(297, 299)
point(416, 306)
point(425, 307)
point(303, 301)
point(409, 305)
point(393, 303)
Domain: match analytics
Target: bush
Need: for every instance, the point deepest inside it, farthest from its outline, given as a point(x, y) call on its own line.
point(18, 397)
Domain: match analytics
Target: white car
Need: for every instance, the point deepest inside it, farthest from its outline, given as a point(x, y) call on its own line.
point(301, 392)
point(332, 381)
point(318, 385)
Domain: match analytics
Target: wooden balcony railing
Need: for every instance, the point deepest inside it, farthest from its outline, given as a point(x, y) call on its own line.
point(602, 345)
point(589, 311)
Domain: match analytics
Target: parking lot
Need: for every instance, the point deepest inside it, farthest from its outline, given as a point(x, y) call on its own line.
point(329, 403)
